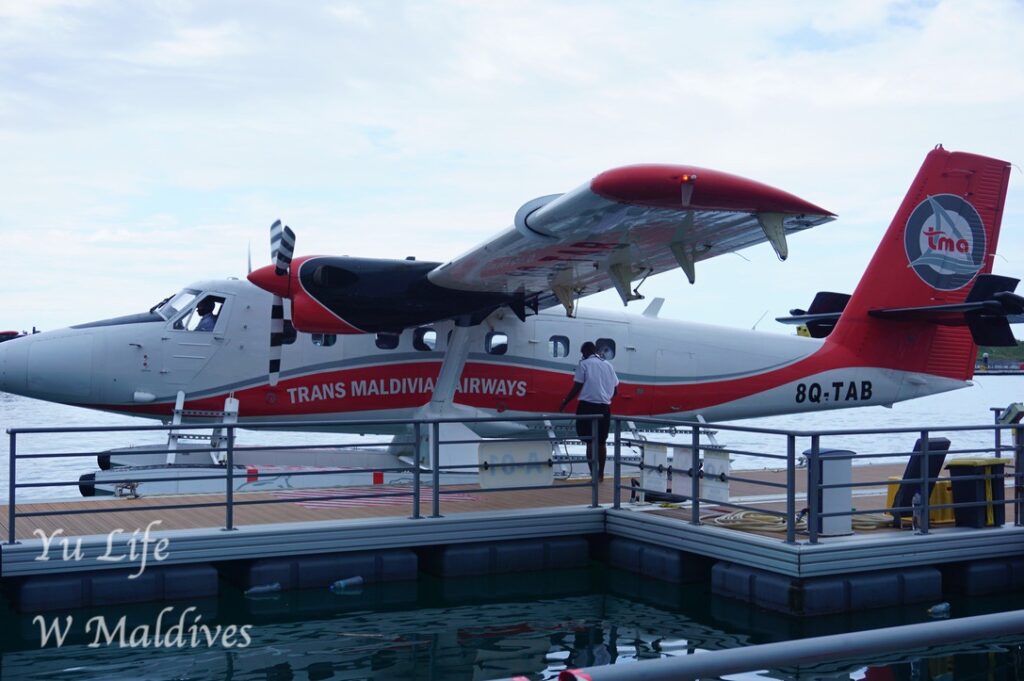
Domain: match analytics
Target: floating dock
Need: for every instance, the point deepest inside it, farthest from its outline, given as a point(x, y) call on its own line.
point(299, 539)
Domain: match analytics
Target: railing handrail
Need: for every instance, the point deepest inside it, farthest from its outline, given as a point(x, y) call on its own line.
point(537, 418)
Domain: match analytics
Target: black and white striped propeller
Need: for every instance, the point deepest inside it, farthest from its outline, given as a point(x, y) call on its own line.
point(282, 246)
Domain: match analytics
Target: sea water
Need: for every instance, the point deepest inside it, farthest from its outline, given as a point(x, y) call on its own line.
point(533, 625)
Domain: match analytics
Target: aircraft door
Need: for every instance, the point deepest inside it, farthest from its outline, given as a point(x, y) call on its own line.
point(192, 338)
point(555, 353)
point(615, 343)
point(553, 342)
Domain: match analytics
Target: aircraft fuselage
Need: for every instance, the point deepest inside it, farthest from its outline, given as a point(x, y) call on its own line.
point(668, 369)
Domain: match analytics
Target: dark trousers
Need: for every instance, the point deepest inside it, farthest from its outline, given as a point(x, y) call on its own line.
point(584, 430)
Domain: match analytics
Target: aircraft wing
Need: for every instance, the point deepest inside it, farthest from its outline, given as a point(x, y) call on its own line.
point(622, 226)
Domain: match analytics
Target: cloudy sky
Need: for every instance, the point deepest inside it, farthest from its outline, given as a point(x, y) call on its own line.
point(147, 144)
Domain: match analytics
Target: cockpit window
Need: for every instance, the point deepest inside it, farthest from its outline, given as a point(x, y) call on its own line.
point(202, 317)
point(175, 304)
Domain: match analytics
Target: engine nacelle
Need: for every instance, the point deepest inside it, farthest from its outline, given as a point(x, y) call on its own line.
point(344, 295)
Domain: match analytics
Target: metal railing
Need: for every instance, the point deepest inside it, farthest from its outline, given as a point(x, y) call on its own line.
point(779, 448)
point(816, 488)
point(430, 427)
point(804, 655)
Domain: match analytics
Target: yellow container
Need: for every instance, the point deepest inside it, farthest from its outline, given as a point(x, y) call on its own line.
point(942, 493)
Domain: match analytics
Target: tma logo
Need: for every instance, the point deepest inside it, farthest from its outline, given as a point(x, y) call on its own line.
point(945, 242)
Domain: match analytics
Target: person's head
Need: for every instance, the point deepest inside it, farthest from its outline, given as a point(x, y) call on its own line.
point(205, 306)
point(588, 349)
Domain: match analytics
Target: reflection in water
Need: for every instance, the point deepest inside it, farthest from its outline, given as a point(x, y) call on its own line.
point(482, 628)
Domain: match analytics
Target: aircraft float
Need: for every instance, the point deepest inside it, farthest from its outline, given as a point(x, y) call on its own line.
point(495, 332)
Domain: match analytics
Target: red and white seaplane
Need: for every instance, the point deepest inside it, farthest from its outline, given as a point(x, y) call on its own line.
point(495, 331)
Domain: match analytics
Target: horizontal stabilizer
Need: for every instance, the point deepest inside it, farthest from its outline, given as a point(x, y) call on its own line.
point(986, 311)
point(821, 317)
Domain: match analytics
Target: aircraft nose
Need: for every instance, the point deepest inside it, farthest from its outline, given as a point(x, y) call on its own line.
point(13, 363)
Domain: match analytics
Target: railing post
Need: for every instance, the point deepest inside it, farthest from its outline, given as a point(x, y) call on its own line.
point(435, 455)
point(416, 433)
point(1018, 475)
point(813, 484)
point(617, 492)
point(790, 489)
point(229, 512)
point(996, 413)
point(695, 475)
point(925, 472)
point(11, 502)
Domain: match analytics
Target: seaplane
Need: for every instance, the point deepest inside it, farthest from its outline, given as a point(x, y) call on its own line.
point(313, 340)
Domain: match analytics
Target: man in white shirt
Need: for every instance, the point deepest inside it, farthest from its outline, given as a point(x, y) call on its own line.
point(596, 384)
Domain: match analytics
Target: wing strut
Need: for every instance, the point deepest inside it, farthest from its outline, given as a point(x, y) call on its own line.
point(451, 368)
point(442, 405)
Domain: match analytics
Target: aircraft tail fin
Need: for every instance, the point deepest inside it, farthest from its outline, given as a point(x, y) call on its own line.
point(943, 237)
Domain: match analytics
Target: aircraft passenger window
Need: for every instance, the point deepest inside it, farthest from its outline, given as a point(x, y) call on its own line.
point(424, 338)
point(496, 343)
point(324, 340)
point(606, 348)
point(559, 346)
point(387, 341)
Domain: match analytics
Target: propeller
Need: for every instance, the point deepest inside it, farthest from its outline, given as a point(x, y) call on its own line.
point(282, 246)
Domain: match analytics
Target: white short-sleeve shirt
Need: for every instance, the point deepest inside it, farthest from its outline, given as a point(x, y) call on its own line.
point(598, 379)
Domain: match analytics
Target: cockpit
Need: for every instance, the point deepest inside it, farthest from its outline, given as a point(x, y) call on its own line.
point(170, 307)
point(191, 310)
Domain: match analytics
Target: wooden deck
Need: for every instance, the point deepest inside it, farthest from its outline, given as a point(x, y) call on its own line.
point(254, 509)
point(357, 503)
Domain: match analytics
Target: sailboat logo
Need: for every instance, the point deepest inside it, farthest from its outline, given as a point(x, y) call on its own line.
point(945, 242)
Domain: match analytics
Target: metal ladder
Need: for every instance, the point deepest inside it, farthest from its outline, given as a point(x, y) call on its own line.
point(216, 436)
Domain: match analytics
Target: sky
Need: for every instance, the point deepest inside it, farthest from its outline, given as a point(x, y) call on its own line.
point(147, 145)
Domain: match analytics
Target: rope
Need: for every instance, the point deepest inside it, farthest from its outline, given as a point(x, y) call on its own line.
point(765, 522)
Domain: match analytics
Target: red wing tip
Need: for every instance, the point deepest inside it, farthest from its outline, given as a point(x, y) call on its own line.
point(663, 185)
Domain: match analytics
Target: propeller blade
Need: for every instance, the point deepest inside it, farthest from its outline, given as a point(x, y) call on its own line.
point(276, 338)
point(282, 246)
